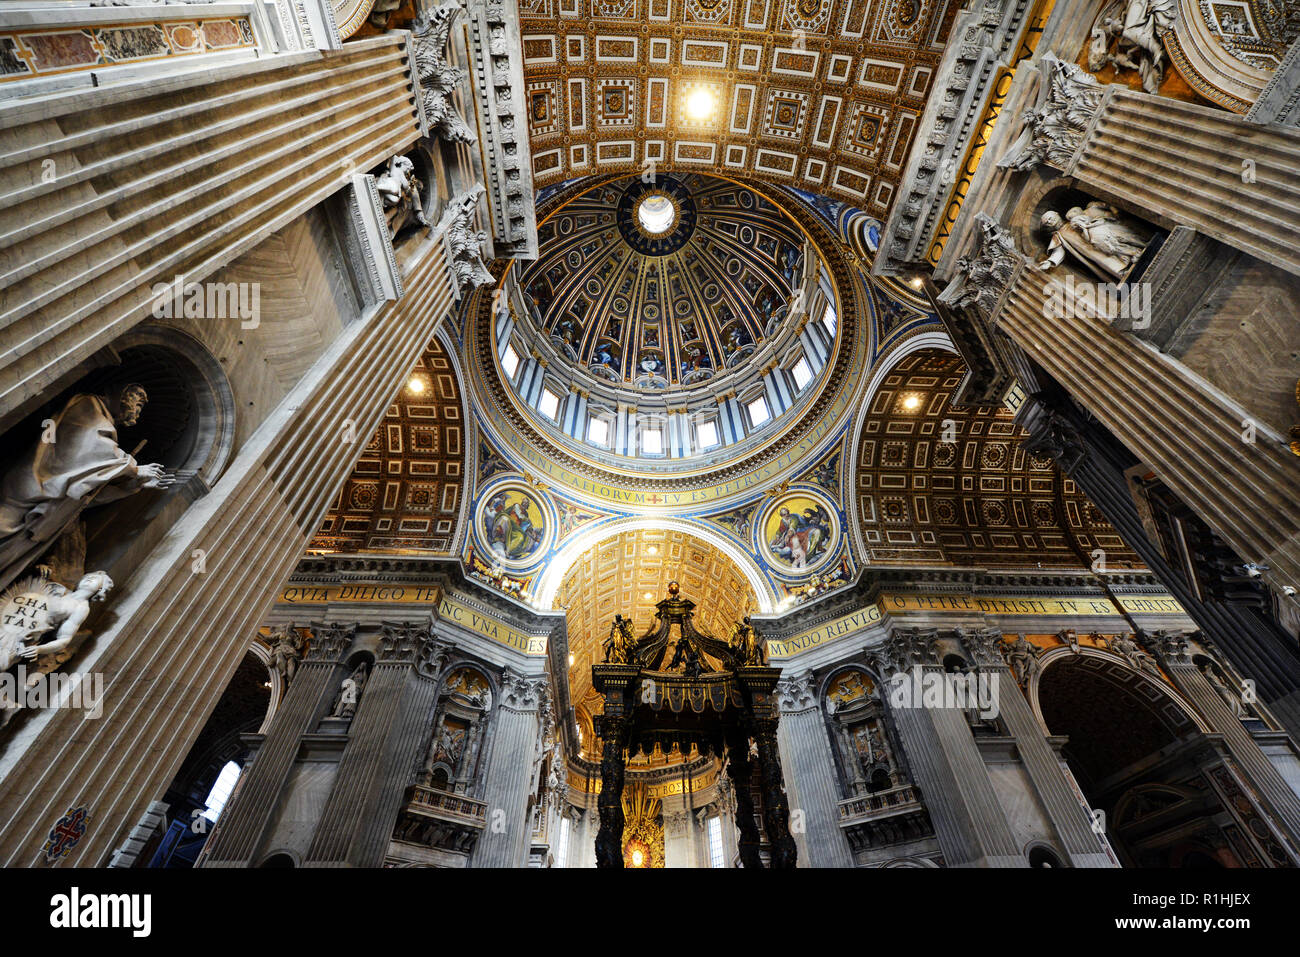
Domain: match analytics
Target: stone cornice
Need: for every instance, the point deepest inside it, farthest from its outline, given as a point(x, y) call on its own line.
point(874, 581)
point(982, 38)
point(325, 570)
point(498, 78)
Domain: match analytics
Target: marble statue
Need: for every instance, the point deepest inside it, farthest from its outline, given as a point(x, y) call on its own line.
point(1022, 658)
point(1230, 697)
point(286, 652)
point(399, 189)
point(1096, 237)
point(1134, 654)
point(76, 463)
point(30, 611)
point(345, 703)
point(1128, 35)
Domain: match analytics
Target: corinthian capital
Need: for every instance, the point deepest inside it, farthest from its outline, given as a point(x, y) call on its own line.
point(904, 650)
point(798, 693)
point(465, 243)
point(1169, 646)
point(981, 279)
point(330, 641)
point(521, 693)
point(438, 80)
point(1053, 128)
point(984, 645)
point(401, 641)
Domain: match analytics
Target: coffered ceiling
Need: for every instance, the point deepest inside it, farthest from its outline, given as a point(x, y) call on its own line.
point(616, 304)
point(825, 95)
point(937, 484)
point(405, 492)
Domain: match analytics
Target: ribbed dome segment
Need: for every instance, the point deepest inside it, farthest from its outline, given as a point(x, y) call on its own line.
point(674, 307)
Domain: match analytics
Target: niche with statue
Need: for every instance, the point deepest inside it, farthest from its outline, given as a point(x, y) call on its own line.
point(456, 741)
point(99, 472)
point(857, 721)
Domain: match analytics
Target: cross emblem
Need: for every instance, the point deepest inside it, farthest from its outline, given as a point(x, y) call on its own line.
point(65, 834)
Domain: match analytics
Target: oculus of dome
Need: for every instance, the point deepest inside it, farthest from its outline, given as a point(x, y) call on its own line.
point(672, 235)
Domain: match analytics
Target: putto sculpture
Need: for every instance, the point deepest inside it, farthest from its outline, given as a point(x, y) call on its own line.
point(400, 191)
point(29, 612)
point(1128, 34)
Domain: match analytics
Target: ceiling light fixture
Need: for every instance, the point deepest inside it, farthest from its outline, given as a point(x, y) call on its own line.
point(416, 385)
point(912, 403)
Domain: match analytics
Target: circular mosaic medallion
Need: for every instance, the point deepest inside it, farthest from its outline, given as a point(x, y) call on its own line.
point(799, 532)
point(513, 525)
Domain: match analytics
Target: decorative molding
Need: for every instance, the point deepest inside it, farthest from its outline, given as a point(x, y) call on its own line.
point(982, 38)
point(368, 242)
point(499, 89)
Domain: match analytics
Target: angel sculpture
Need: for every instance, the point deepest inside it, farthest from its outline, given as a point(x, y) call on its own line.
point(1129, 34)
point(746, 647)
point(618, 646)
point(400, 191)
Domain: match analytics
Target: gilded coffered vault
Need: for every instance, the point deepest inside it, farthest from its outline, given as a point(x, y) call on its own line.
point(628, 573)
point(405, 491)
point(939, 484)
point(826, 95)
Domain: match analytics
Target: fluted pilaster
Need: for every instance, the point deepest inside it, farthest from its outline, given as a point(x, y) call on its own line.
point(945, 763)
point(514, 742)
point(810, 775)
point(1070, 819)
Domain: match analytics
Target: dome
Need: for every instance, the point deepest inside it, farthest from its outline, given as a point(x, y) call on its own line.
point(664, 283)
